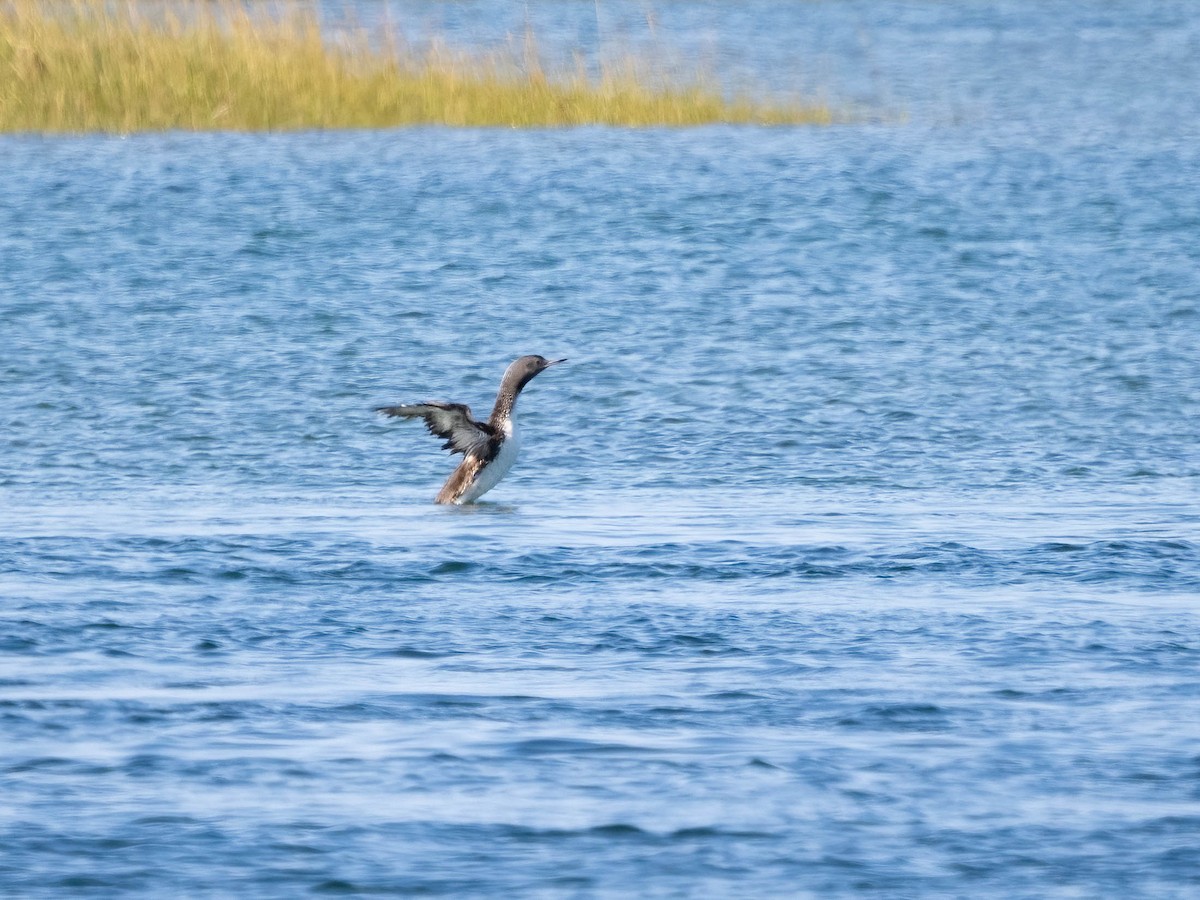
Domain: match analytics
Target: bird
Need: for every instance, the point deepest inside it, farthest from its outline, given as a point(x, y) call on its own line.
point(489, 448)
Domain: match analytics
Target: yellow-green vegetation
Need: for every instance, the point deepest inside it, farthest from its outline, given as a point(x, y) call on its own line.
point(131, 65)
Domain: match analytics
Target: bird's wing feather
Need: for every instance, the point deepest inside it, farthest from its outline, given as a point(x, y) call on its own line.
point(452, 421)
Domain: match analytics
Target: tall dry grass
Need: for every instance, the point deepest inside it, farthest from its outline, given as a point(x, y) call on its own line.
point(127, 66)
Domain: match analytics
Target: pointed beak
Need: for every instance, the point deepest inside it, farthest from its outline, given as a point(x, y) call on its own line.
point(553, 362)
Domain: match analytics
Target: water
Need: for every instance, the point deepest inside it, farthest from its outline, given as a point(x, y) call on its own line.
point(855, 551)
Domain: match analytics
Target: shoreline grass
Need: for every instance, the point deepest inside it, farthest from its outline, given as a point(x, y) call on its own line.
point(78, 66)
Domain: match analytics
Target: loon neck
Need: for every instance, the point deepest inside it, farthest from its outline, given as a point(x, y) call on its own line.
point(506, 398)
point(506, 401)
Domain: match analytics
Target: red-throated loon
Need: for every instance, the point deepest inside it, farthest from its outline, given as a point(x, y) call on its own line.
point(489, 448)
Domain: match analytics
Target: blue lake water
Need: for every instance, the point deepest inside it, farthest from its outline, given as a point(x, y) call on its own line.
point(856, 550)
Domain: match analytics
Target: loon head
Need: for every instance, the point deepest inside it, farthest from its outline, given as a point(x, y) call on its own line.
point(524, 370)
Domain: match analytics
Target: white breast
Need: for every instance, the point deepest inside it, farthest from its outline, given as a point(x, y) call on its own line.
point(497, 468)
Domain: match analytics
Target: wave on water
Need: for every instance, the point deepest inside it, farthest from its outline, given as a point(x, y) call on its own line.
point(109, 564)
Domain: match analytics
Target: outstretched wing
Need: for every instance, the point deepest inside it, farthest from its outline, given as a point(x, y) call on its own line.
point(452, 421)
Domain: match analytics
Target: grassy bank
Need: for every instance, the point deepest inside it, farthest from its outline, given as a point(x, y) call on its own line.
point(86, 66)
